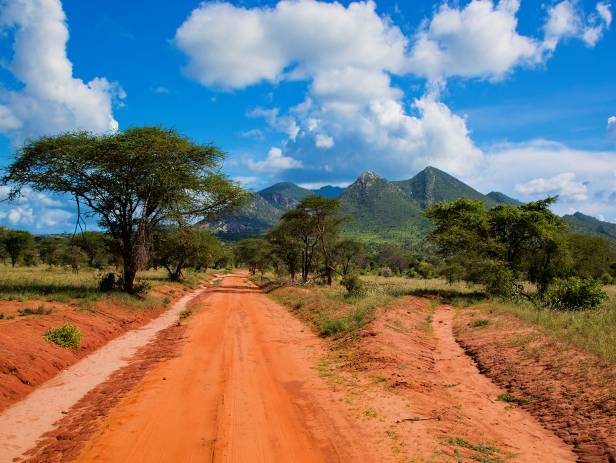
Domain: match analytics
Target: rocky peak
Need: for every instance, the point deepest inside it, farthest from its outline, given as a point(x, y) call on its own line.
point(367, 179)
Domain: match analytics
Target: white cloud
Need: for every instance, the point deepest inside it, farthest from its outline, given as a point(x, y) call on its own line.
point(611, 127)
point(52, 100)
point(510, 164)
point(285, 124)
point(323, 141)
point(53, 217)
point(246, 181)
point(565, 20)
point(564, 185)
point(349, 56)
point(479, 40)
point(20, 215)
point(274, 162)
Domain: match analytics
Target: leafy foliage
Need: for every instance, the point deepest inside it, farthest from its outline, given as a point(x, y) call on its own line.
point(67, 336)
point(574, 294)
point(131, 181)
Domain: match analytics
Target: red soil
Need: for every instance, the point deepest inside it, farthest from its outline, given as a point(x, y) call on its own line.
point(27, 360)
point(570, 392)
point(243, 389)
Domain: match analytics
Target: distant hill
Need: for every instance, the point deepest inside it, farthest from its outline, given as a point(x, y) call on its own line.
point(380, 210)
point(502, 198)
point(588, 225)
point(329, 191)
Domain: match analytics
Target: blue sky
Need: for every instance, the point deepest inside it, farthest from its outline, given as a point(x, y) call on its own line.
point(508, 96)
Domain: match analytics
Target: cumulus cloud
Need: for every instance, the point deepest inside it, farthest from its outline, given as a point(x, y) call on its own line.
point(349, 57)
point(274, 162)
point(479, 40)
point(35, 210)
point(51, 99)
point(508, 165)
point(611, 127)
point(565, 20)
point(563, 185)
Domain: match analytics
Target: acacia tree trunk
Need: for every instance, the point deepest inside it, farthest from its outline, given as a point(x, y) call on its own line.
point(130, 272)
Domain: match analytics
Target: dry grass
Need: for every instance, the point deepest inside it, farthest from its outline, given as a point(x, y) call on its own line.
point(60, 285)
point(592, 330)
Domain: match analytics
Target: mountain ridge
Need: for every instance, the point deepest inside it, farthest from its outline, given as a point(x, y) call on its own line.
point(379, 209)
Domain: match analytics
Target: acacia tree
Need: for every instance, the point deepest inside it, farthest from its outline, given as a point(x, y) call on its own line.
point(17, 244)
point(347, 254)
point(185, 247)
point(498, 246)
point(315, 223)
point(285, 247)
point(132, 181)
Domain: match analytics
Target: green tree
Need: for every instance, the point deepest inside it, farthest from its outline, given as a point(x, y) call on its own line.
point(254, 253)
point(132, 181)
point(96, 246)
point(286, 247)
point(496, 247)
point(315, 223)
point(185, 247)
point(348, 253)
point(18, 244)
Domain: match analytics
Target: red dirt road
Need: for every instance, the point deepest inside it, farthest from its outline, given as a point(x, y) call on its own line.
point(243, 389)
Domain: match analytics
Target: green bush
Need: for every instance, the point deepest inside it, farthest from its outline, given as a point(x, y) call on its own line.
point(352, 283)
point(67, 336)
point(110, 282)
point(607, 279)
point(574, 294)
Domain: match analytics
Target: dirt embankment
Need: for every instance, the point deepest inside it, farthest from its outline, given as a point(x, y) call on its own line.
point(570, 392)
point(405, 375)
point(27, 360)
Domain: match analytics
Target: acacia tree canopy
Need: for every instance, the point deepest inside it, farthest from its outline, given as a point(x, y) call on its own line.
point(131, 181)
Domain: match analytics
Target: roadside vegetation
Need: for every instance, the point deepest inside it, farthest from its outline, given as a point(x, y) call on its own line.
point(519, 259)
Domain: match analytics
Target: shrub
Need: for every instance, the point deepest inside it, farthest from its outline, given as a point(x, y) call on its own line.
point(333, 326)
point(67, 336)
point(40, 310)
point(607, 279)
point(385, 272)
point(574, 294)
point(141, 287)
point(110, 282)
point(352, 283)
point(480, 323)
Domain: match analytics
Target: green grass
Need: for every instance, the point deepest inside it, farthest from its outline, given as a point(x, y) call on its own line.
point(510, 398)
point(480, 323)
point(67, 336)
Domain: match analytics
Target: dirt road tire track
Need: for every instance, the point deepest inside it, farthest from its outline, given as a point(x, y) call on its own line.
point(243, 389)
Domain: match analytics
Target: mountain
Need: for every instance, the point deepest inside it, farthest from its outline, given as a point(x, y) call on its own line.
point(284, 195)
point(329, 191)
point(588, 225)
point(380, 210)
point(432, 185)
point(502, 198)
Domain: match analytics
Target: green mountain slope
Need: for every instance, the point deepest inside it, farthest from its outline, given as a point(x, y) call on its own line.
point(588, 225)
point(431, 186)
point(380, 210)
point(284, 195)
point(502, 198)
